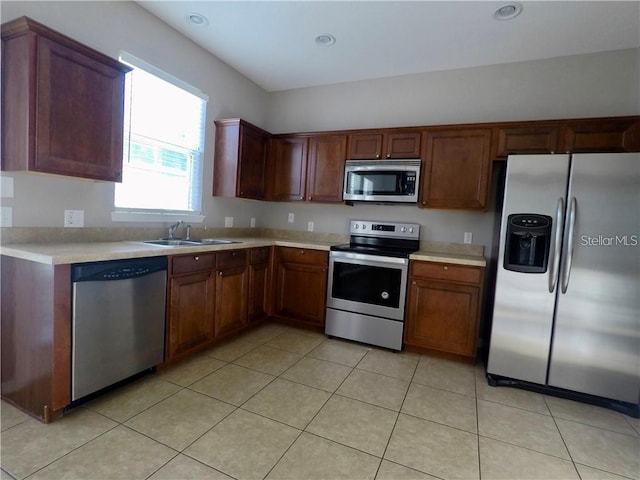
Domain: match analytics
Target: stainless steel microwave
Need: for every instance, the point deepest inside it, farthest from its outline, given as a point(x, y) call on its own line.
point(381, 181)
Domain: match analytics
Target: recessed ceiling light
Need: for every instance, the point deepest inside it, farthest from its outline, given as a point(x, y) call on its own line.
point(325, 39)
point(197, 19)
point(507, 11)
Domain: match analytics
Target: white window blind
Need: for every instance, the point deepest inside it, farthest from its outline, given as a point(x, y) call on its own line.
point(163, 142)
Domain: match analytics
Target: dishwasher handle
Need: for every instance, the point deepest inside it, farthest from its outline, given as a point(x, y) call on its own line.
point(117, 269)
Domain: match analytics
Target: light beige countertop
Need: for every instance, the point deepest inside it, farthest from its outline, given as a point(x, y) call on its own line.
point(80, 252)
point(457, 258)
point(65, 253)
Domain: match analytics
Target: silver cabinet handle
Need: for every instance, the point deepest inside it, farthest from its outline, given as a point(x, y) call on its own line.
point(566, 272)
point(557, 245)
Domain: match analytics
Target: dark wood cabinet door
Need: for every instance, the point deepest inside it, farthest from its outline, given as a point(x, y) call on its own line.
point(240, 160)
point(288, 168)
point(191, 311)
point(252, 174)
point(325, 171)
point(231, 299)
point(365, 146)
point(63, 105)
point(258, 291)
point(402, 145)
point(301, 285)
point(456, 169)
point(526, 140)
point(259, 283)
point(442, 316)
point(608, 135)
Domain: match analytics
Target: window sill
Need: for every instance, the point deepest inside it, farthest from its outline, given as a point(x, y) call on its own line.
point(155, 217)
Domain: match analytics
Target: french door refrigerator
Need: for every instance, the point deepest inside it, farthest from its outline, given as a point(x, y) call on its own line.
point(566, 314)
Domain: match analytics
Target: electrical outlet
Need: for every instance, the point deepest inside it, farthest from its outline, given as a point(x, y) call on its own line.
point(253, 222)
point(291, 218)
point(228, 222)
point(468, 237)
point(74, 218)
point(310, 227)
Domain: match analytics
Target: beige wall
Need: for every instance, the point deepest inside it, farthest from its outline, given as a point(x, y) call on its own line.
point(580, 86)
point(111, 27)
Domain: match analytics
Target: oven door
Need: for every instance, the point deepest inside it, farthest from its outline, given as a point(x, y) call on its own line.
point(367, 284)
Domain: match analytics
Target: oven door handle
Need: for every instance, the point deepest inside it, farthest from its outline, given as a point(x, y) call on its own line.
point(371, 259)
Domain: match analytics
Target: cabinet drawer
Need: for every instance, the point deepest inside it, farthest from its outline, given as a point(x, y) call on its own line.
point(447, 271)
point(259, 255)
point(235, 258)
point(192, 263)
point(304, 256)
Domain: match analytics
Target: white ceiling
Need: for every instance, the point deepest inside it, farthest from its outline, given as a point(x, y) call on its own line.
point(272, 42)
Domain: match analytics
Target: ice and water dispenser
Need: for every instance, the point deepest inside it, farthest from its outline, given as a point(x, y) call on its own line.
point(527, 243)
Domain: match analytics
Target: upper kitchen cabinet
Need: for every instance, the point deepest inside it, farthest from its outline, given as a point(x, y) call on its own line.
point(325, 170)
point(288, 168)
point(62, 104)
point(240, 160)
point(386, 144)
point(620, 134)
point(307, 168)
point(456, 169)
point(529, 138)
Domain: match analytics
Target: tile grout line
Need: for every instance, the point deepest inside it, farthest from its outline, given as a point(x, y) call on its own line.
point(386, 447)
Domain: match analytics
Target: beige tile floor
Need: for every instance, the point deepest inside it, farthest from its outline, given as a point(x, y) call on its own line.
point(280, 402)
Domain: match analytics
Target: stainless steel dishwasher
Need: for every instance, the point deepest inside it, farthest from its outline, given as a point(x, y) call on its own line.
point(118, 321)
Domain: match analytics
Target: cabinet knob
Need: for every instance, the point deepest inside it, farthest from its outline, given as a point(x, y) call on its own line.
point(388, 155)
point(301, 251)
point(308, 198)
point(220, 273)
point(377, 156)
point(446, 268)
point(196, 258)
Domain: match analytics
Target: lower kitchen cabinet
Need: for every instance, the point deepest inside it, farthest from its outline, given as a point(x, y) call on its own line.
point(301, 286)
point(259, 260)
point(443, 307)
point(232, 285)
point(190, 310)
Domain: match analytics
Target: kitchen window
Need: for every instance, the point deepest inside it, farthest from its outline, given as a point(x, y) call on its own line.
point(163, 145)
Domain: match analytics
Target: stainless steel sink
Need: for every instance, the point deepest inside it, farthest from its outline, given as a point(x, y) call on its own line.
point(178, 242)
point(214, 241)
point(173, 242)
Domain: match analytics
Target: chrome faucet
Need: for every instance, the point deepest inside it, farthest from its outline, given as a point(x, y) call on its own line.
point(173, 228)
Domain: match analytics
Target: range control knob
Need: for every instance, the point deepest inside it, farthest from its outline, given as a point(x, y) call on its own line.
point(403, 229)
point(411, 230)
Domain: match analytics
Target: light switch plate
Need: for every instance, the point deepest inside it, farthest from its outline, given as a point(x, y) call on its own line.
point(6, 187)
point(468, 237)
point(6, 217)
point(253, 222)
point(228, 222)
point(291, 218)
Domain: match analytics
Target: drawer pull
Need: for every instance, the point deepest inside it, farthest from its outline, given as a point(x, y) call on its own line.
point(446, 268)
point(196, 258)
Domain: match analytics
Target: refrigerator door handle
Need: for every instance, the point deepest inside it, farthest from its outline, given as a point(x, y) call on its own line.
point(553, 272)
point(566, 272)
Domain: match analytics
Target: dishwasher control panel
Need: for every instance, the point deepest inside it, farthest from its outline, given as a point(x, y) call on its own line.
point(117, 269)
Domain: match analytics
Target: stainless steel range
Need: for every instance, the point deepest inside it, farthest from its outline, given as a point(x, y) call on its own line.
point(368, 282)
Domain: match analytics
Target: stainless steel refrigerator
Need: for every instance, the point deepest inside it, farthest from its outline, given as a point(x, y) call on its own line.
point(566, 313)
